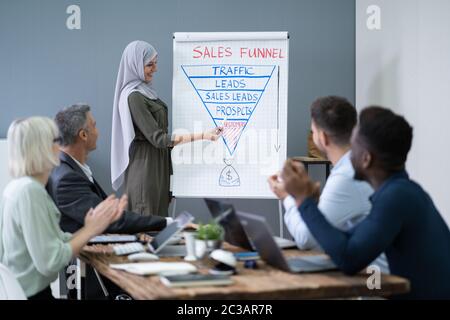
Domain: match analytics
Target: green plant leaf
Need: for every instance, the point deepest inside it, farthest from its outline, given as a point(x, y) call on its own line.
point(211, 231)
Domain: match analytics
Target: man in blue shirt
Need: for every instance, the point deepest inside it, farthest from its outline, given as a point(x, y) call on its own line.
point(403, 221)
point(344, 201)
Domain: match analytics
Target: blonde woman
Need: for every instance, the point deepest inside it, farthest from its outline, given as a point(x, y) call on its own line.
point(32, 244)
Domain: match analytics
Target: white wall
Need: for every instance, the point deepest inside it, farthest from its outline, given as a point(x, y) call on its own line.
point(406, 66)
point(4, 175)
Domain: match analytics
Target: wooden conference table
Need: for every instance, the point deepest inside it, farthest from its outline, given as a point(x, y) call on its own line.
point(264, 282)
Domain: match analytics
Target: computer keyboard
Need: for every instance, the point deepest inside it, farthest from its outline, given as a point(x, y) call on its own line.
point(284, 243)
point(113, 239)
point(133, 247)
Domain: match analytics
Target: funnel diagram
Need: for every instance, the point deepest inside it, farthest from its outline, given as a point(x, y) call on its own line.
point(230, 94)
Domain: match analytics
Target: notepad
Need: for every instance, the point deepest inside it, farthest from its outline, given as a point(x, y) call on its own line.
point(160, 268)
point(196, 280)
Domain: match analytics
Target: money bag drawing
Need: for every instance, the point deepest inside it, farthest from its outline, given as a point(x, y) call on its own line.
point(229, 176)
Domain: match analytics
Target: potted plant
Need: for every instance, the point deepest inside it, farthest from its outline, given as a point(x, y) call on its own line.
point(208, 238)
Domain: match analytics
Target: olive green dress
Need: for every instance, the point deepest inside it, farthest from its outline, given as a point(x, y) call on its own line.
point(147, 178)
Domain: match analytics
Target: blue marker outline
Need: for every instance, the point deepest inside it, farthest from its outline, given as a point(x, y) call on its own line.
point(228, 119)
point(233, 90)
point(227, 77)
point(204, 104)
point(225, 103)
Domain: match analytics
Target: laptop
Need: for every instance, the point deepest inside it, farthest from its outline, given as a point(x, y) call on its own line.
point(259, 232)
point(226, 216)
point(160, 243)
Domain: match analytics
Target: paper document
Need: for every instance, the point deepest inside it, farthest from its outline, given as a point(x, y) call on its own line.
point(160, 268)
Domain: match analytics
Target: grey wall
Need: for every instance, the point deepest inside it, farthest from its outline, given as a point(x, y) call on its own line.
point(405, 66)
point(44, 66)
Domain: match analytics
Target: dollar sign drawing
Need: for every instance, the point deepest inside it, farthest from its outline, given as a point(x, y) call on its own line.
point(229, 177)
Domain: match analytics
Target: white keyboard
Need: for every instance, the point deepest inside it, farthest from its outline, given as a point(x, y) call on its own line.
point(128, 248)
point(284, 243)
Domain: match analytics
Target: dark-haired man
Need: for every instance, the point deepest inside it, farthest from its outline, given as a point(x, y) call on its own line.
point(344, 201)
point(403, 222)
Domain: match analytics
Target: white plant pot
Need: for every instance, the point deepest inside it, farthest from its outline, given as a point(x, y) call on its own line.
point(204, 247)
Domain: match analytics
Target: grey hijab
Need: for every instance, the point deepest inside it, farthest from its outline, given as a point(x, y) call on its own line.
point(130, 78)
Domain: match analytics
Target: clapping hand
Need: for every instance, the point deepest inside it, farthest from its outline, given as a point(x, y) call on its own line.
point(277, 186)
point(297, 182)
point(105, 213)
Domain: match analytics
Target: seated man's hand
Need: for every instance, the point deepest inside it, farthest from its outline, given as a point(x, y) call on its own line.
point(277, 186)
point(297, 182)
point(191, 226)
point(143, 237)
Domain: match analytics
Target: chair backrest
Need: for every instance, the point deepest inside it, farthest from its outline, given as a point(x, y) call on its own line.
point(10, 288)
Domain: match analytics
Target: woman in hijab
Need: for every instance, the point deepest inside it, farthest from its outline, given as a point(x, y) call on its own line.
point(141, 144)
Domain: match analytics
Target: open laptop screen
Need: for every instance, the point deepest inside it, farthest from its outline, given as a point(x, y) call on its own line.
point(226, 216)
point(168, 232)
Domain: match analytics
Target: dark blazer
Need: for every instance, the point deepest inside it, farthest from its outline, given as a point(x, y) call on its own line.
point(74, 194)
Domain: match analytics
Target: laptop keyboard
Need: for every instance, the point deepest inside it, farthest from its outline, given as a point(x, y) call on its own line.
point(312, 263)
point(173, 251)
